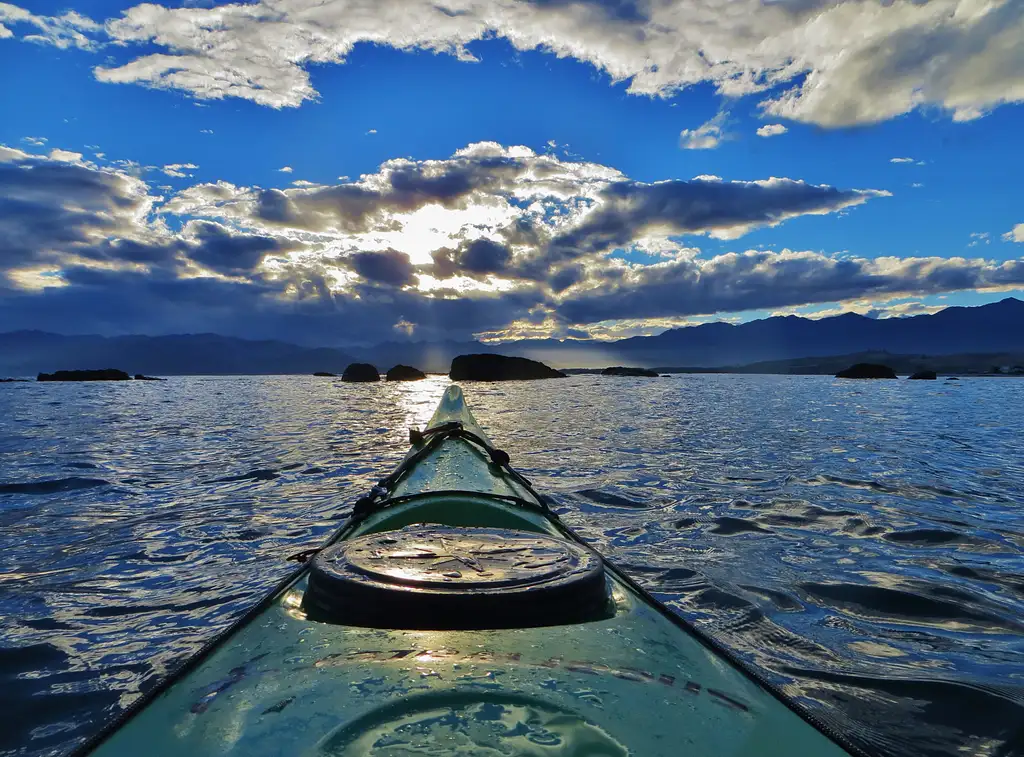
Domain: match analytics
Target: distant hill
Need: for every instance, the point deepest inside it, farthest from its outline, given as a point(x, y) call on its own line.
point(963, 364)
point(988, 329)
point(26, 353)
point(997, 327)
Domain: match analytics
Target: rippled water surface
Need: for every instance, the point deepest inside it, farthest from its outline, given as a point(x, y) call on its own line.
point(861, 543)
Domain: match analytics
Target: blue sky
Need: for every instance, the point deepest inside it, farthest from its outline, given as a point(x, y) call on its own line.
point(616, 130)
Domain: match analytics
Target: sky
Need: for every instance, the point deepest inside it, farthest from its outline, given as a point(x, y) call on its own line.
point(344, 172)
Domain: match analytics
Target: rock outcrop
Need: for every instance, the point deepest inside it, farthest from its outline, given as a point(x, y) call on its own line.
point(867, 371)
point(103, 374)
point(140, 377)
point(404, 373)
point(923, 376)
point(360, 372)
point(485, 367)
point(326, 374)
point(623, 371)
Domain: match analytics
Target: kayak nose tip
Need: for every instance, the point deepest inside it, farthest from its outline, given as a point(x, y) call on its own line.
point(454, 399)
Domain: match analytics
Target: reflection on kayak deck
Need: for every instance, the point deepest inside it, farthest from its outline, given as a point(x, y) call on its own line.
point(471, 725)
point(626, 680)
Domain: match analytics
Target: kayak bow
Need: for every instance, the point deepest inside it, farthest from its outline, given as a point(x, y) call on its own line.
point(455, 614)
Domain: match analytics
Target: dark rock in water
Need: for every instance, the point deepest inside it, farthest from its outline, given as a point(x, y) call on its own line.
point(923, 376)
point(12, 381)
point(623, 371)
point(140, 377)
point(103, 374)
point(52, 486)
point(952, 378)
point(360, 372)
point(405, 373)
point(867, 371)
point(326, 374)
point(499, 368)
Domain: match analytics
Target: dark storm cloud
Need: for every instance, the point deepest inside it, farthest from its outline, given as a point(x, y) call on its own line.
point(765, 280)
point(53, 207)
point(485, 256)
point(566, 277)
point(219, 249)
point(388, 267)
point(629, 208)
point(475, 258)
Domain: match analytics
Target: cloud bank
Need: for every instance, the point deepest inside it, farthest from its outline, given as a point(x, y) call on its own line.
point(494, 239)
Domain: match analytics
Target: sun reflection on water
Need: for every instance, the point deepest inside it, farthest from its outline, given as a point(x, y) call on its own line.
point(418, 399)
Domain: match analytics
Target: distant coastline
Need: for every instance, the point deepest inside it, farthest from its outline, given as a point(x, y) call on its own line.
point(994, 364)
point(983, 340)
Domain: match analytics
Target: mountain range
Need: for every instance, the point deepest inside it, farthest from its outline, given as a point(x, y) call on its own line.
point(994, 328)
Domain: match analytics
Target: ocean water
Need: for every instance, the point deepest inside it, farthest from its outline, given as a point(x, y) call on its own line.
point(860, 543)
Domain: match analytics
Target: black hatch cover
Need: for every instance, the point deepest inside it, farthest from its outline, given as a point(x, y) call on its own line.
point(432, 577)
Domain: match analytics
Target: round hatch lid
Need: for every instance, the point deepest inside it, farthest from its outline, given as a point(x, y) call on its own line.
point(433, 577)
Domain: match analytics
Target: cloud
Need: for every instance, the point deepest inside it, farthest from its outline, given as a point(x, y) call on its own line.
point(707, 136)
point(206, 131)
point(980, 237)
point(65, 156)
point(66, 31)
point(34, 141)
point(285, 169)
point(372, 131)
point(1016, 234)
point(55, 208)
point(389, 267)
point(771, 130)
point(960, 56)
point(177, 170)
point(228, 252)
point(725, 210)
point(476, 258)
point(901, 160)
point(756, 279)
point(494, 239)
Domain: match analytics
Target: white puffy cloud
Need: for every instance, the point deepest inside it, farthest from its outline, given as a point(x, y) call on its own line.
point(66, 156)
point(285, 169)
point(178, 170)
point(1016, 234)
point(901, 160)
point(707, 136)
point(979, 237)
point(771, 130)
point(34, 141)
point(68, 30)
point(819, 61)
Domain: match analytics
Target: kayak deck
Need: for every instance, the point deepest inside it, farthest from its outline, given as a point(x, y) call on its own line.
point(631, 683)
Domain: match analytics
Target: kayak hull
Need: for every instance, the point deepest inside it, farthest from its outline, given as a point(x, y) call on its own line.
point(631, 683)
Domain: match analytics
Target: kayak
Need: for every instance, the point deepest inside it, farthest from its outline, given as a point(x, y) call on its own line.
point(454, 614)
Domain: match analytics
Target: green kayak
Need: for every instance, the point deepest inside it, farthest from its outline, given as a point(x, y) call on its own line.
point(454, 614)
